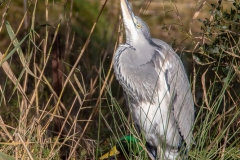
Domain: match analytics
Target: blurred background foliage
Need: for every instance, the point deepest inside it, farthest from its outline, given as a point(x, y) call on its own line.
point(219, 49)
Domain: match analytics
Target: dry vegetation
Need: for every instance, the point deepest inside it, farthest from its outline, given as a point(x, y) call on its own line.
point(58, 95)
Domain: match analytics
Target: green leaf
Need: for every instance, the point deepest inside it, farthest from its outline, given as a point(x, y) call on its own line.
point(14, 50)
point(4, 156)
point(17, 48)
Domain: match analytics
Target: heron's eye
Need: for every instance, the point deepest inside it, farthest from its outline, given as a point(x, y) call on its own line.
point(139, 25)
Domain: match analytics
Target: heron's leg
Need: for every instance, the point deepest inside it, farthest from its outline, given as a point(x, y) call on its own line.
point(171, 154)
point(160, 155)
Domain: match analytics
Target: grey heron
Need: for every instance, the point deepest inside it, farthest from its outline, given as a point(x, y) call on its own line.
point(156, 86)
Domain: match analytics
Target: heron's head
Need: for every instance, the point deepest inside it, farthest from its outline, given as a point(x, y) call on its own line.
point(136, 29)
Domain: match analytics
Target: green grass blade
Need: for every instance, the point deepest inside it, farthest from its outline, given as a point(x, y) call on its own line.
point(4, 156)
point(18, 48)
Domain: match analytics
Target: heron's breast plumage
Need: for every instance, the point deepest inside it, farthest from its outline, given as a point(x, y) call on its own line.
point(138, 80)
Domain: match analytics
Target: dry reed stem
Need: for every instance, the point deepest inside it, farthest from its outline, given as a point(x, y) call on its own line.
point(41, 75)
point(96, 108)
point(60, 132)
point(4, 15)
point(67, 47)
point(62, 106)
point(82, 88)
point(67, 117)
point(196, 14)
point(29, 154)
point(72, 70)
point(6, 132)
point(12, 77)
point(205, 91)
point(145, 6)
point(46, 34)
point(3, 96)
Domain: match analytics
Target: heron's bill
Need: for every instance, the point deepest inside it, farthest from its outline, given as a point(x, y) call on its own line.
point(128, 18)
point(112, 152)
point(125, 9)
point(127, 12)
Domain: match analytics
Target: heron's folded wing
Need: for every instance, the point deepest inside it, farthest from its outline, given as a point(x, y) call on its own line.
point(180, 91)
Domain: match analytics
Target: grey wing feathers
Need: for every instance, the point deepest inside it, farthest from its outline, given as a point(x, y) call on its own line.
point(182, 101)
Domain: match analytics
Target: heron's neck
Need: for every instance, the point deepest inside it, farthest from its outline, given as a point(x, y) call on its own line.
point(137, 41)
point(131, 37)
